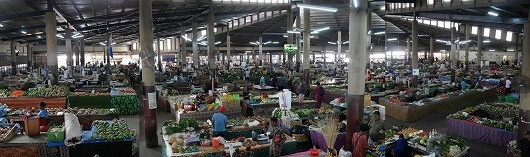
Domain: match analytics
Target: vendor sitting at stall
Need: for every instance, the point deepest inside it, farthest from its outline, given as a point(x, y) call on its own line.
point(43, 117)
point(219, 122)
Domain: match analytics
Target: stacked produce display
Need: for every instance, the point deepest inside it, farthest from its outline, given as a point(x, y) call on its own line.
point(42, 92)
point(492, 123)
point(110, 130)
point(426, 143)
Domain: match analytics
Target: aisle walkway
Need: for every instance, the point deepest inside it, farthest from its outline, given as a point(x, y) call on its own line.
point(438, 121)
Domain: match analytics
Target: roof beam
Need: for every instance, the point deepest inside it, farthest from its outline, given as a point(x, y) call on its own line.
point(22, 15)
point(472, 18)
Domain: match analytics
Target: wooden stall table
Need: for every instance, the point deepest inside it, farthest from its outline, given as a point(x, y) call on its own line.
point(254, 109)
point(413, 113)
point(23, 102)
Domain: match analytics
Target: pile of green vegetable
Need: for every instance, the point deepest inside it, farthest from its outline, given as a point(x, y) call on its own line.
point(303, 112)
point(451, 145)
point(500, 109)
point(171, 127)
point(111, 131)
point(125, 104)
point(4, 93)
point(53, 91)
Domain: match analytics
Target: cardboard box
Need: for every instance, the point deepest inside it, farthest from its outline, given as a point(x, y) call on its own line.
point(291, 122)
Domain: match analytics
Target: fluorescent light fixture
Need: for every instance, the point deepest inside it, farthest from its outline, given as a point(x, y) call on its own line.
point(60, 36)
point(319, 30)
point(129, 42)
point(285, 36)
point(493, 13)
point(486, 41)
point(101, 43)
point(465, 41)
point(491, 50)
point(355, 3)
point(217, 42)
point(1, 25)
point(23, 32)
point(38, 36)
point(275, 42)
point(510, 50)
point(423, 35)
point(345, 42)
point(379, 33)
point(268, 42)
point(392, 39)
point(295, 32)
point(315, 7)
point(254, 43)
point(443, 41)
point(333, 43)
point(186, 38)
point(383, 8)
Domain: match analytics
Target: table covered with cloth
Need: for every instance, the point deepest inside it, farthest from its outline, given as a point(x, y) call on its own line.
point(482, 133)
point(320, 142)
point(92, 147)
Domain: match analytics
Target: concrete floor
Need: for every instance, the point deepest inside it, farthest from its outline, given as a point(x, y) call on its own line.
point(137, 122)
point(438, 121)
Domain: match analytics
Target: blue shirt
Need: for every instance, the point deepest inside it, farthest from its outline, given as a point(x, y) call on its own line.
point(262, 80)
point(463, 85)
point(401, 146)
point(219, 121)
point(43, 113)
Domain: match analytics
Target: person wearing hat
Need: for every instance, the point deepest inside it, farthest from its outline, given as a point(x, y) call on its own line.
point(219, 122)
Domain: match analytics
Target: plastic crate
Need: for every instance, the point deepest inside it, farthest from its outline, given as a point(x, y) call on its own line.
point(56, 136)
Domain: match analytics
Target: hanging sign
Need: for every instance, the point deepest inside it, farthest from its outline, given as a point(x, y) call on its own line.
point(416, 72)
point(290, 48)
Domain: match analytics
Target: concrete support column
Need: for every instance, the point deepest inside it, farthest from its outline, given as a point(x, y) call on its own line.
point(148, 73)
point(339, 44)
point(357, 68)
point(415, 51)
point(228, 55)
point(211, 41)
point(68, 49)
point(260, 50)
point(30, 56)
point(524, 104)
point(431, 50)
point(408, 51)
point(183, 47)
point(307, 43)
point(516, 51)
point(51, 43)
point(466, 55)
point(253, 54)
point(82, 51)
point(184, 52)
point(368, 39)
point(298, 42)
point(195, 46)
point(76, 52)
point(452, 54)
point(159, 59)
point(13, 47)
point(480, 38)
point(324, 54)
point(290, 36)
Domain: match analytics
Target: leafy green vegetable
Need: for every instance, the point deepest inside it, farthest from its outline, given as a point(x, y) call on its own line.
point(125, 104)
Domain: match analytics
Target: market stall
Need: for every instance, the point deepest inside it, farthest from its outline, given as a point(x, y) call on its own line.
point(490, 123)
point(202, 107)
point(410, 112)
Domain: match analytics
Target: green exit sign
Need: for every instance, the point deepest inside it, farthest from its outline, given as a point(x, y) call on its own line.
point(290, 48)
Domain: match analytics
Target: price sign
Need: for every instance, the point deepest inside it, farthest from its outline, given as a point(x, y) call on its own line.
point(416, 72)
point(290, 48)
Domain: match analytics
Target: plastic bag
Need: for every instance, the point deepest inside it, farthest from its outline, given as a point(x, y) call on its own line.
point(72, 130)
point(344, 153)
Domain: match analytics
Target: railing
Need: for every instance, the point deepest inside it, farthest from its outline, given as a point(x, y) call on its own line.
point(431, 5)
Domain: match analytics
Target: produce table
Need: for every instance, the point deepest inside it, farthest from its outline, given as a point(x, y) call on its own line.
point(90, 101)
point(22, 102)
point(289, 147)
point(84, 120)
point(414, 148)
point(255, 109)
point(482, 133)
point(238, 131)
point(414, 113)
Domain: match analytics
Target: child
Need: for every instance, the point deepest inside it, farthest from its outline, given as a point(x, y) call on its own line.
point(43, 117)
point(43, 113)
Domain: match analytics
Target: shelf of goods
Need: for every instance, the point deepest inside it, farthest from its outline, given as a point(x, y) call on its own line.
point(184, 106)
point(482, 123)
point(426, 143)
point(410, 112)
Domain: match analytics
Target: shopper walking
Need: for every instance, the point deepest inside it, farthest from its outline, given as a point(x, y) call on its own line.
point(319, 94)
point(360, 141)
